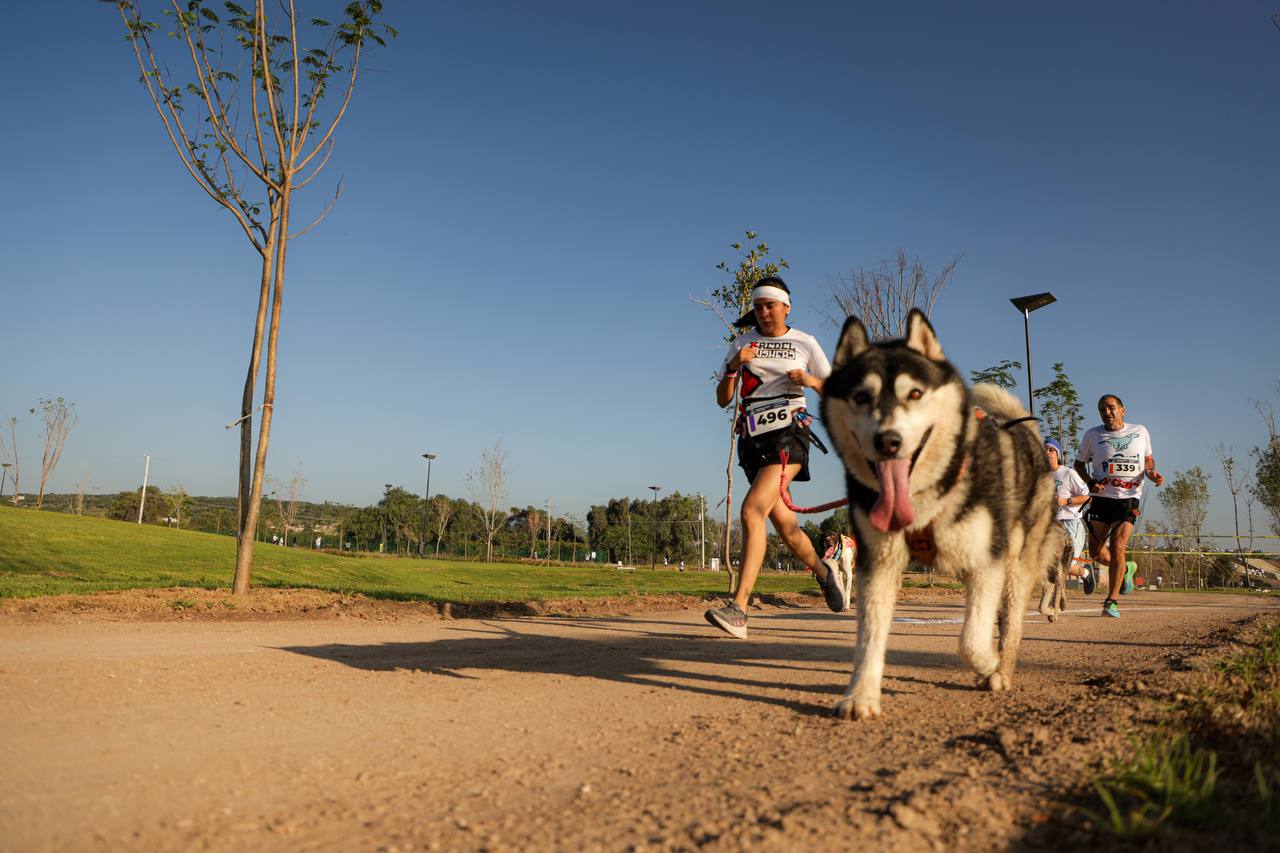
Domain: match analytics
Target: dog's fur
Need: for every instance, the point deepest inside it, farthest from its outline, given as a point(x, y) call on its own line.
point(984, 491)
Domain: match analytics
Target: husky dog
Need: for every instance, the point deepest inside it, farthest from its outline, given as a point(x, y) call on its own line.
point(936, 469)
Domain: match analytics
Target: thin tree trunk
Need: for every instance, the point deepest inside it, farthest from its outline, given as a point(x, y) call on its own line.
point(728, 500)
point(1235, 512)
point(245, 526)
point(244, 558)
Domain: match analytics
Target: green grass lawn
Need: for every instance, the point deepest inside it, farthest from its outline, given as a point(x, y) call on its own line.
point(46, 553)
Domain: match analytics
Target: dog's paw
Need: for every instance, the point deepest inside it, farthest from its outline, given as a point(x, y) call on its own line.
point(983, 662)
point(1052, 616)
point(849, 708)
point(998, 682)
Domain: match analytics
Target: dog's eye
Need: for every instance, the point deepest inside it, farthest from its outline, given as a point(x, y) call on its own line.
point(862, 398)
point(915, 394)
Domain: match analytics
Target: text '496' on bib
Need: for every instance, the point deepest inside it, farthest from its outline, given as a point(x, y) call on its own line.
point(772, 415)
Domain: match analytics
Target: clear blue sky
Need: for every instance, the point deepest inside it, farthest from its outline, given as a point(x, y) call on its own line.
point(533, 192)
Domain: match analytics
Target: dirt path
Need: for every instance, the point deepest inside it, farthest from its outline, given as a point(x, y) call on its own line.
point(641, 732)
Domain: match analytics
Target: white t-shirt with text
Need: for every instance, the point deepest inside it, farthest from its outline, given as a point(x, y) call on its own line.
point(1069, 486)
point(1116, 458)
point(765, 375)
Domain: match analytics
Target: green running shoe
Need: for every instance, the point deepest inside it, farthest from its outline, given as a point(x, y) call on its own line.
point(1110, 608)
point(1126, 585)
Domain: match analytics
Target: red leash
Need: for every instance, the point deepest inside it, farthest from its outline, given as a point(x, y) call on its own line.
point(786, 496)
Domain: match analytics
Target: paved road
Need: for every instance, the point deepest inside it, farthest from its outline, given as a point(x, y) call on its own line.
point(647, 731)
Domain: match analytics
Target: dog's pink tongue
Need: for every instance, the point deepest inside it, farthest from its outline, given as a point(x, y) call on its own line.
point(893, 509)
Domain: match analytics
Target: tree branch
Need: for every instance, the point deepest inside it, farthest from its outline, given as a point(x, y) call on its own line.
point(327, 208)
point(162, 102)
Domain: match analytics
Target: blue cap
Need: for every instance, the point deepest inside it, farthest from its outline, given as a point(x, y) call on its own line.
point(1053, 442)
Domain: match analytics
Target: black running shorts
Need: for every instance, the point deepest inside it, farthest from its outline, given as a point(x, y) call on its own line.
point(1113, 510)
point(756, 453)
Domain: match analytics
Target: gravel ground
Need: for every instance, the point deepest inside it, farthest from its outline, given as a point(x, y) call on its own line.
point(307, 721)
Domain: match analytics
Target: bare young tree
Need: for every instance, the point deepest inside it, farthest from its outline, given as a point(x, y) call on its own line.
point(80, 489)
point(883, 297)
point(1237, 480)
point(488, 486)
point(441, 510)
point(249, 145)
point(574, 524)
point(551, 518)
point(178, 501)
point(59, 417)
point(289, 510)
point(12, 456)
point(1185, 498)
point(533, 521)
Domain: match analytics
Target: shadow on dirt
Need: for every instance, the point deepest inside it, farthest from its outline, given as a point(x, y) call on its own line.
point(660, 654)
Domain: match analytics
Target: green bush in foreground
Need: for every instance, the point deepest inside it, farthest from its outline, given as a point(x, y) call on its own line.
point(1213, 768)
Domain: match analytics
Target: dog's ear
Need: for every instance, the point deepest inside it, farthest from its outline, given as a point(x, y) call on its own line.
point(921, 337)
point(853, 342)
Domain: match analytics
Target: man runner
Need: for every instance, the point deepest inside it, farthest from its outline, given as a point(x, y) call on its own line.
point(1114, 459)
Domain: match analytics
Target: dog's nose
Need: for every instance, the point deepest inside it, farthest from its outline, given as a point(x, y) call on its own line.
point(888, 443)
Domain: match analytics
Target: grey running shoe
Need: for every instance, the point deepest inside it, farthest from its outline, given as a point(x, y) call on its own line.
point(835, 589)
point(729, 619)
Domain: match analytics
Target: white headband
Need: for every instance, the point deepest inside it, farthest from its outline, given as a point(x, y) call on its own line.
point(766, 291)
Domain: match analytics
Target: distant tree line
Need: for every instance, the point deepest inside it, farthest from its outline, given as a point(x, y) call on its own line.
point(633, 532)
point(647, 532)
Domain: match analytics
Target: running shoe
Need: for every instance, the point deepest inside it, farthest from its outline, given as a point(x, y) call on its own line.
point(835, 589)
point(731, 619)
point(1090, 581)
point(1126, 585)
point(1110, 608)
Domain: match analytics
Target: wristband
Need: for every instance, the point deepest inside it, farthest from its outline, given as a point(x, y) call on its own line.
point(731, 374)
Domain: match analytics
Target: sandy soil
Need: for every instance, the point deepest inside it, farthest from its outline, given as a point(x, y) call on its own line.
point(395, 730)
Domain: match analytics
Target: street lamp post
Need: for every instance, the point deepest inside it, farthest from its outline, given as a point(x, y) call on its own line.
point(1027, 304)
point(425, 500)
point(653, 534)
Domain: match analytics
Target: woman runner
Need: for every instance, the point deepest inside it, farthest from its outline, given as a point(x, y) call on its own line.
point(774, 364)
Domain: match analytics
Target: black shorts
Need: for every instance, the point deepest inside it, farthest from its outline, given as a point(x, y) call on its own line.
point(1113, 510)
point(756, 453)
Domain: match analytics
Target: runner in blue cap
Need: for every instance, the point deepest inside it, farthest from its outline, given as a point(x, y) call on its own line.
point(1073, 494)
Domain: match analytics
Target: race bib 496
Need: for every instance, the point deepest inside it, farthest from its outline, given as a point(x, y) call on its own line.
point(772, 415)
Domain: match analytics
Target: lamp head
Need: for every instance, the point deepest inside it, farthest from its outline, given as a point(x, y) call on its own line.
point(1034, 301)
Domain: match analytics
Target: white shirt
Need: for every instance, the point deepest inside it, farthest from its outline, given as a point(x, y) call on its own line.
point(1069, 486)
point(1116, 458)
point(766, 375)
